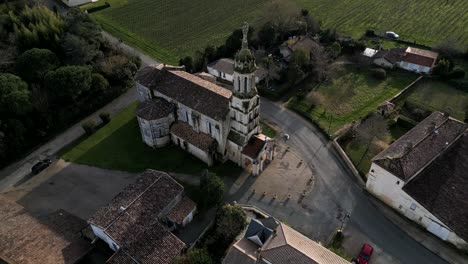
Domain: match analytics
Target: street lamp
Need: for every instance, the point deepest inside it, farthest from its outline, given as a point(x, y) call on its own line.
point(343, 221)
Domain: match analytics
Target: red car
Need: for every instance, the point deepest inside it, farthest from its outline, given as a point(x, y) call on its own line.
point(364, 255)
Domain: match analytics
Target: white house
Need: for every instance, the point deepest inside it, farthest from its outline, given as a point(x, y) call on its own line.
point(423, 175)
point(224, 70)
point(418, 60)
point(77, 2)
point(136, 224)
point(206, 120)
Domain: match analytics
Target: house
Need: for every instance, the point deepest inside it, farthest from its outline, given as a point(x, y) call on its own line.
point(72, 3)
point(303, 43)
point(211, 122)
point(27, 239)
point(136, 224)
point(418, 60)
point(224, 70)
point(423, 175)
point(388, 58)
point(267, 240)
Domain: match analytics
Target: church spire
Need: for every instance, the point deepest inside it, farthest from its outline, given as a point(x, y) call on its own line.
point(245, 60)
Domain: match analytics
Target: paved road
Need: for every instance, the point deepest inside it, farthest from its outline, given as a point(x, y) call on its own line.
point(336, 192)
point(16, 171)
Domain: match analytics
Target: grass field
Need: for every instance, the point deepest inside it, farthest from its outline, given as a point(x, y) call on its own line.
point(439, 96)
point(268, 130)
point(351, 95)
point(168, 30)
point(118, 146)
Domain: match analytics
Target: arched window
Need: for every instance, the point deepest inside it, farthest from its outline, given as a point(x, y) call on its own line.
point(238, 84)
point(245, 84)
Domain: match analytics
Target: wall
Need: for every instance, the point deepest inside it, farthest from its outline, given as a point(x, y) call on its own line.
point(100, 233)
point(200, 154)
point(221, 75)
point(383, 63)
point(155, 133)
point(414, 67)
point(143, 93)
point(388, 188)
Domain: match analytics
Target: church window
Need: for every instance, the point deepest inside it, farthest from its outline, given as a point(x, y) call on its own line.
point(209, 127)
point(186, 117)
point(245, 84)
point(238, 83)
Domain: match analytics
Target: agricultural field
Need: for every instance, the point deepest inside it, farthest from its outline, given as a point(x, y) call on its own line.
point(351, 95)
point(438, 96)
point(168, 30)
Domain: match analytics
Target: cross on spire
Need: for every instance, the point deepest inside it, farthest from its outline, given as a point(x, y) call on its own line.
point(245, 31)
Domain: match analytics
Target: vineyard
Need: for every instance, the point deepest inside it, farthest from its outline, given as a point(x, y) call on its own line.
point(167, 30)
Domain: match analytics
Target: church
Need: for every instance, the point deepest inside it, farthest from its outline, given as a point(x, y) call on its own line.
point(211, 122)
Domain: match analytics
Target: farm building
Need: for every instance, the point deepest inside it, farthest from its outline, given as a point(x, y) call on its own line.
point(418, 60)
point(368, 52)
point(209, 121)
point(136, 224)
point(224, 70)
point(77, 2)
point(302, 43)
point(423, 176)
point(388, 58)
point(267, 240)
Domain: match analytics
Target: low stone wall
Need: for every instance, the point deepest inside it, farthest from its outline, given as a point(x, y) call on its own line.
point(405, 90)
point(348, 162)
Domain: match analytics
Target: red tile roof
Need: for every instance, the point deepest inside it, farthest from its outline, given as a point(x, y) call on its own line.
point(182, 210)
point(200, 140)
point(420, 57)
point(255, 146)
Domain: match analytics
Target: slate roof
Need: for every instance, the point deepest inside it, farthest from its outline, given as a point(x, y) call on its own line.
point(290, 246)
point(131, 218)
point(243, 251)
point(146, 75)
point(420, 57)
point(255, 146)
point(155, 109)
point(442, 187)
point(417, 148)
point(393, 55)
point(199, 139)
point(227, 66)
point(182, 210)
point(26, 239)
point(192, 91)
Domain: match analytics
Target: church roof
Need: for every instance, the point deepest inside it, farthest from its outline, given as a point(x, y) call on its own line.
point(200, 140)
point(194, 92)
point(154, 109)
point(255, 146)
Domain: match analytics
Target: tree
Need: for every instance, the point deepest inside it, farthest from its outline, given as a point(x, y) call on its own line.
point(68, 82)
point(334, 50)
point(195, 256)
point(442, 68)
point(80, 24)
point(105, 117)
point(318, 63)
point(230, 221)
point(379, 73)
point(234, 41)
point(99, 83)
point(187, 61)
point(371, 128)
point(300, 58)
point(14, 96)
point(118, 68)
point(89, 127)
point(315, 98)
point(283, 15)
point(271, 68)
point(33, 64)
point(210, 53)
point(312, 26)
point(213, 189)
point(78, 51)
point(267, 35)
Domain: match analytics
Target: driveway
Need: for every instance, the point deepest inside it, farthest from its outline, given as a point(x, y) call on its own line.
point(335, 193)
point(79, 189)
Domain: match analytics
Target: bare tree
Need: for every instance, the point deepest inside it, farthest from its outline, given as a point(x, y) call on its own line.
point(315, 98)
point(282, 14)
point(373, 127)
point(271, 68)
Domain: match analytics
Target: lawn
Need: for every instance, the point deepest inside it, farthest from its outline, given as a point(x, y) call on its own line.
point(168, 30)
point(268, 130)
point(438, 96)
point(118, 146)
point(351, 95)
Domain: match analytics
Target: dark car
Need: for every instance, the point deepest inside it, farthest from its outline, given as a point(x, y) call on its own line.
point(364, 255)
point(40, 166)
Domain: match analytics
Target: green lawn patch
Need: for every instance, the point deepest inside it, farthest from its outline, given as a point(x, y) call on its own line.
point(350, 96)
point(268, 130)
point(438, 96)
point(118, 146)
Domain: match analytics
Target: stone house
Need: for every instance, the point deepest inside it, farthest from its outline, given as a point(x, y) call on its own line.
point(136, 224)
point(302, 43)
point(224, 70)
point(418, 60)
point(206, 120)
point(423, 175)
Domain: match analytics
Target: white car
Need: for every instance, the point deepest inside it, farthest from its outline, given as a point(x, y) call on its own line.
point(392, 34)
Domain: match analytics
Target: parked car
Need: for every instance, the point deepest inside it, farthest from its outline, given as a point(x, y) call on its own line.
point(40, 166)
point(392, 34)
point(365, 254)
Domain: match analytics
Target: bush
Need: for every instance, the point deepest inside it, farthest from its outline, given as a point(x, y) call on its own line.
point(379, 74)
point(457, 73)
point(89, 127)
point(370, 33)
point(105, 117)
point(460, 84)
point(213, 188)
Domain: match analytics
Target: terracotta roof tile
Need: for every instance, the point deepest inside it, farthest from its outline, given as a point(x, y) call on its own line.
point(442, 187)
point(420, 57)
point(414, 150)
point(182, 210)
point(155, 109)
point(27, 239)
point(200, 140)
point(255, 146)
